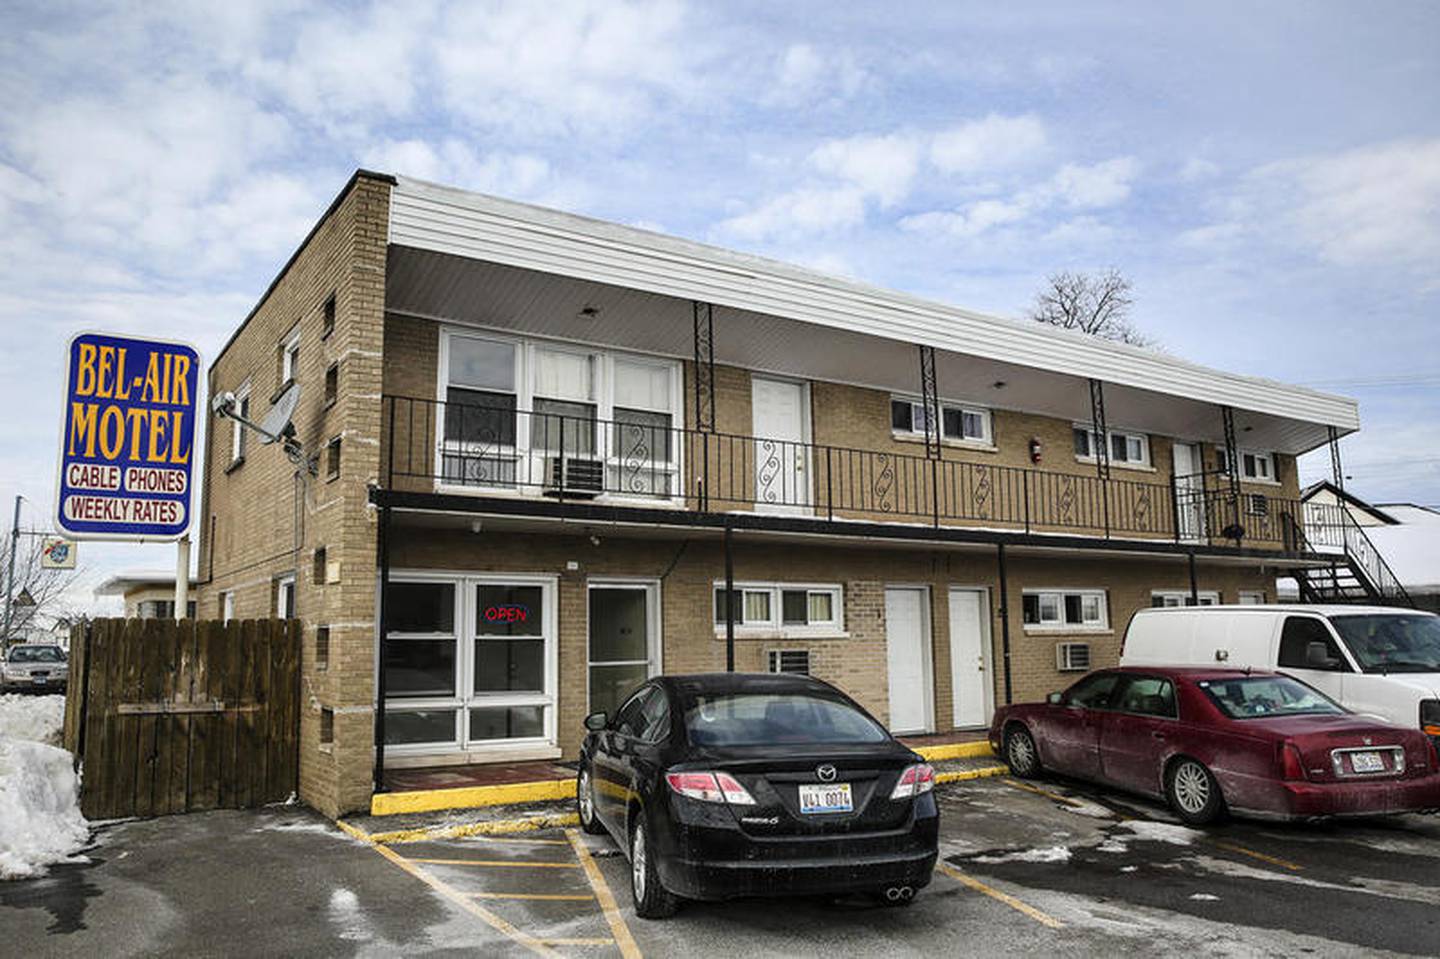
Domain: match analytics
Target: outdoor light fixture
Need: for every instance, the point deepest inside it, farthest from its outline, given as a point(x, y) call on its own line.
point(999, 384)
point(1035, 449)
point(589, 312)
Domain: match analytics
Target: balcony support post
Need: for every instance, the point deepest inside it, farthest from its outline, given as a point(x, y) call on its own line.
point(729, 602)
point(929, 395)
point(1232, 475)
point(1194, 585)
point(703, 316)
point(1101, 440)
point(1004, 618)
point(1335, 469)
point(382, 559)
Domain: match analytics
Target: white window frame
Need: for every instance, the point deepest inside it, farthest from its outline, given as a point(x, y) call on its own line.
point(227, 606)
point(1144, 463)
point(290, 356)
point(463, 698)
point(1181, 597)
point(774, 627)
point(917, 414)
point(654, 615)
point(1259, 457)
point(282, 608)
point(529, 459)
point(1054, 597)
point(237, 430)
point(1251, 597)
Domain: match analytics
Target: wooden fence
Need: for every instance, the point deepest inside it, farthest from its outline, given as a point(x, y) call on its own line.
point(170, 717)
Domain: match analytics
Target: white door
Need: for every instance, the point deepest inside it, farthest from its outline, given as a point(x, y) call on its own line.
point(782, 456)
point(1189, 491)
point(969, 657)
point(906, 638)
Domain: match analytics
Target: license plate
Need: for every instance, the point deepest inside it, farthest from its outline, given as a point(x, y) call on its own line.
point(39, 680)
point(1367, 762)
point(828, 797)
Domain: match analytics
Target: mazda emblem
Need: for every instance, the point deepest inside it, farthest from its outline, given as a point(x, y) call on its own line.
point(825, 773)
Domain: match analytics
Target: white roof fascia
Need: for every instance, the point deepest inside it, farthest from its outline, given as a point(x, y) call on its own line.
point(443, 219)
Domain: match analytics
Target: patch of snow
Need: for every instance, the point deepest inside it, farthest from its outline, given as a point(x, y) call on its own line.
point(40, 821)
point(1162, 832)
point(1045, 854)
point(1205, 897)
point(1128, 868)
point(348, 917)
point(37, 719)
point(1112, 845)
point(1082, 807)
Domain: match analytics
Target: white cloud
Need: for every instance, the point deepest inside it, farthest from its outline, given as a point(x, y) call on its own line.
point(883, 166)
point(803, 75)
point(971, 221)
point(1097, 185)
point(993, 142)
point(1198, 168)
point(450, 161)
point(799, 212)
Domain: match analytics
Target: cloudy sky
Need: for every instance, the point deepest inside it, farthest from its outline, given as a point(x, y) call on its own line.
point(1267, 174)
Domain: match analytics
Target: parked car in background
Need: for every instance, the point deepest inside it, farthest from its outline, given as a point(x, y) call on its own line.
point(731, 784)
point(1376, 660)
point(38, 667)
point(1208, 741)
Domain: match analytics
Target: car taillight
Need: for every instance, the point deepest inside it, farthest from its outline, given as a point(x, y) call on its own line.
point(1291, 765)
point(710, 787)
point(914, 781)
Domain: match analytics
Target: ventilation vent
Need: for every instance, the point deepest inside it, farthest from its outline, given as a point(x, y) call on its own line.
point(1072, 657)
point(790, 661)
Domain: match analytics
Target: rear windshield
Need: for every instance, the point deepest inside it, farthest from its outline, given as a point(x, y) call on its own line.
point(1256, 697)
point(756, 719)
point(36, 654)
point(1392, 643)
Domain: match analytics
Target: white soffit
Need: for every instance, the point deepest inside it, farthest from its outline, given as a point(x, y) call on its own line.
point(428, 216)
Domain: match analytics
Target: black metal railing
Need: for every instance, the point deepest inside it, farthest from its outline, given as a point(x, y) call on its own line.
point(1330, 527)
point(563, 453)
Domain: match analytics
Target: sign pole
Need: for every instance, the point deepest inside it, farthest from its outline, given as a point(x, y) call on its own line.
point(10, 581)
point(182, 576)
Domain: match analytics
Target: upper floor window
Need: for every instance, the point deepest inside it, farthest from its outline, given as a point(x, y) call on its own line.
point(1177, 597)
point(290, 357)
point(1259, 467)
point(237, 431)
point(959, 423)
point(1131, 449)
point(790, 609)
point(1065, 608)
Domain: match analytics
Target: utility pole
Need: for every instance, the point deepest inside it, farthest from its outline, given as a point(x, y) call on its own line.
point(10, 581)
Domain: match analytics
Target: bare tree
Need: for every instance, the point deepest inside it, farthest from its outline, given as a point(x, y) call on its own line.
point(1097, 304)
point(43, 590)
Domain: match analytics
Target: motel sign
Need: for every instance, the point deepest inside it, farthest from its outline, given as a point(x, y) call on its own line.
point(127, 448)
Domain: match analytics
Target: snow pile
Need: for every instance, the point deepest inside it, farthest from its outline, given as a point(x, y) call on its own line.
point(1162, 831)
point(1047, 854)
point(40, 821)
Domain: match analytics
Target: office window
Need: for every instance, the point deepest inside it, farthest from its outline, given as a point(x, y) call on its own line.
point(332, 384)
point(1259, 467)
point(227, 606)
point(762, 605)
point(1060, 609)
point(961, 423)
point(1125, 448)
point(290, 357)
point(327, 316)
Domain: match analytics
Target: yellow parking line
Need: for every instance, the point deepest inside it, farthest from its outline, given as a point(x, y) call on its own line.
point(454, 895)
point(618, 929)
point(1017, 784)
point(1022, 907)
point(567, 897)
point(1272, 860)
point(602, 941)
point(498, 862)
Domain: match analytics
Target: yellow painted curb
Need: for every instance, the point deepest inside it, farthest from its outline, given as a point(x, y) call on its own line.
point(466, 797)
point(984, 772)
point(975, 750)
point(494, 827)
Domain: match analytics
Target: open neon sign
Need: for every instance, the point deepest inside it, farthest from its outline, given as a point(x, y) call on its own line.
point(509, 613)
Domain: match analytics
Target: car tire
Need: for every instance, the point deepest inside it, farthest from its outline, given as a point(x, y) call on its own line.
point(1193, 792)
point(652, 900)
point(585, 803)
point(1021, 754)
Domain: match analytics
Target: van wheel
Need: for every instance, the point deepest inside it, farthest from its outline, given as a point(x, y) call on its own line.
point(1193, 792)
point(1020, 753)
point(585, 803)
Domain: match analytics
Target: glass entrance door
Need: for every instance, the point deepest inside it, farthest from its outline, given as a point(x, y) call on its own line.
point(624, 641)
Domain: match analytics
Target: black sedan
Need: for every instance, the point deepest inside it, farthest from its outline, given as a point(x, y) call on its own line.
point(733, 784)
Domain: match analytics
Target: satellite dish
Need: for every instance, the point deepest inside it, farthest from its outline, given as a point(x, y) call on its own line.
point(276, 422)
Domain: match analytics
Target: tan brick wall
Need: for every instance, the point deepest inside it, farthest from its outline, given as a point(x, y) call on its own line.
point(266, 521)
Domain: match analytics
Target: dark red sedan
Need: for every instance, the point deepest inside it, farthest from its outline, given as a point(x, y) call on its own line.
point(1215, 740)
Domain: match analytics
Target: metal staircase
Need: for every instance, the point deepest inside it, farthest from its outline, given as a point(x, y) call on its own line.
point(1358, 574)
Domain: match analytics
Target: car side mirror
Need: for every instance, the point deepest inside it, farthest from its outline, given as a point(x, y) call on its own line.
point(1317, 656)
point(1055, 699)
point(596, 721)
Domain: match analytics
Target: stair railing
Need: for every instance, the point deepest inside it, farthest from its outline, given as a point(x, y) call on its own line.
point(1367, 560)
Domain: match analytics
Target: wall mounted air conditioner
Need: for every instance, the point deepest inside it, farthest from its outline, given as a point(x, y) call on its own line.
point(1072, 657)
point(574, 476)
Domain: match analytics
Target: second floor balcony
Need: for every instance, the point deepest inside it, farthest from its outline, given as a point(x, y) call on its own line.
point(563, 453)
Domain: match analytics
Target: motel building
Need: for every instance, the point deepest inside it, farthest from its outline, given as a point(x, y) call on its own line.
point(541, 445)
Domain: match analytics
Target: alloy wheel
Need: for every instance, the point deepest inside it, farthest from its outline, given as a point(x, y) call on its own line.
point(1192, 788)
point(1022, 753)
point(586, 798)
point(637, 862)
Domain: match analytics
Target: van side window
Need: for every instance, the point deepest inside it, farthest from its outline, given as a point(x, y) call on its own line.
point(1295, 639)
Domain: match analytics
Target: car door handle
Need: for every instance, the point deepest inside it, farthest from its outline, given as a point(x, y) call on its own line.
point(1157, 736)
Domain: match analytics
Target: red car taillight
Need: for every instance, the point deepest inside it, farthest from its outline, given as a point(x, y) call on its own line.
point(914, 781)
point(710, 787)
point(1292, 767)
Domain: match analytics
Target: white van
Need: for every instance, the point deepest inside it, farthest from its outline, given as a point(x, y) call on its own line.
point(1377, 660)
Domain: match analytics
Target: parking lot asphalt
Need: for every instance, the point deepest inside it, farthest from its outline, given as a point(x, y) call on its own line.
point(1047, 866)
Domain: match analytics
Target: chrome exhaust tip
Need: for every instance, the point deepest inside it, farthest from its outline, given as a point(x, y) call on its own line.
point(907, 893)
point(892, 894)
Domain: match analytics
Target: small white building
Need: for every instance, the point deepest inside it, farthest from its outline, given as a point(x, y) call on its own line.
point(147, 594)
